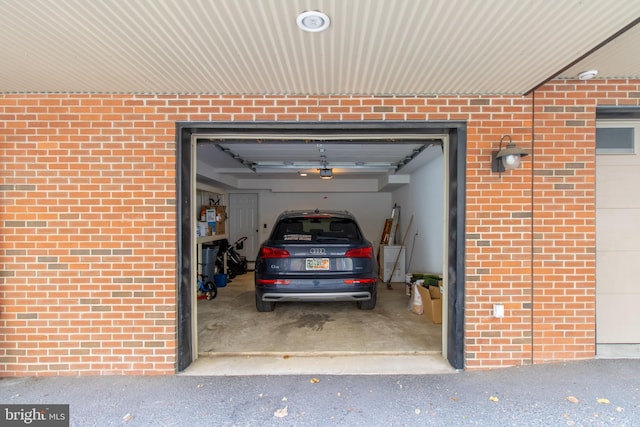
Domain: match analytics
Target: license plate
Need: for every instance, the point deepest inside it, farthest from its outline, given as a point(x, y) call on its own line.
point(317, 263)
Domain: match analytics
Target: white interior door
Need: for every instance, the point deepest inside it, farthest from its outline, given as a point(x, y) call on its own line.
point(243, 221)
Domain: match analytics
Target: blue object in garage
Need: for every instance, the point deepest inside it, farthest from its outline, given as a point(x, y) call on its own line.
point(220, 280)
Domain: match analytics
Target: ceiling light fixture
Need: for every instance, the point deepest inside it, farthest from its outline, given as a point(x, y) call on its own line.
point(313, 21)
point(326, 173)
point(588, 75)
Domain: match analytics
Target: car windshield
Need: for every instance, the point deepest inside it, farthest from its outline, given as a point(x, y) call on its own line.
point(315, 229)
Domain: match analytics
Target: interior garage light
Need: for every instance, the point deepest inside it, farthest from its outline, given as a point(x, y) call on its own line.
point(326, 173)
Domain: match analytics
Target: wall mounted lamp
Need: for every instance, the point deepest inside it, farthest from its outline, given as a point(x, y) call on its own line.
point(507, 158)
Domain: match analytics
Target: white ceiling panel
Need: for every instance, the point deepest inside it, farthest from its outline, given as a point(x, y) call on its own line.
point(618, 59)
point(373, 47)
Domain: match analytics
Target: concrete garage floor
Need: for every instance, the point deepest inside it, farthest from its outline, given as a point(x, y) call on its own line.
point(314, 338)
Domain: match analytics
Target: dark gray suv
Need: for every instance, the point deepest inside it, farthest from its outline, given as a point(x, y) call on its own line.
point(316, 256)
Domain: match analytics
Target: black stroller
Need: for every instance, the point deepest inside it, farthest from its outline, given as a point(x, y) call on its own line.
point(235, 263)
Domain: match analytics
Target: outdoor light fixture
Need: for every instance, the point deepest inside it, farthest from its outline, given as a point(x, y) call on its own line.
point(313, 21)
point(507, 158)
point(588, 75)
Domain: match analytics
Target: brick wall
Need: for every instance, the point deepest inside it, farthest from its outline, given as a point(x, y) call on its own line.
point(88, 235)
point(88, 252)
point(547, 283)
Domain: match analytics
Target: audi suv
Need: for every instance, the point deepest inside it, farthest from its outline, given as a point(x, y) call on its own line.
point(315, 256)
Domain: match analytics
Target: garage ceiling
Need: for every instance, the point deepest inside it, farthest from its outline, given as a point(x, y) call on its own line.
point(368, 163)
point(372, 47)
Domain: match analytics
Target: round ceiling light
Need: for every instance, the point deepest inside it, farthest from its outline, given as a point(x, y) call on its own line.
point(588, 75)
point(313, 21)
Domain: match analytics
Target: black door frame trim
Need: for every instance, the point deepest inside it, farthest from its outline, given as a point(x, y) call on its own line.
point(457, 131)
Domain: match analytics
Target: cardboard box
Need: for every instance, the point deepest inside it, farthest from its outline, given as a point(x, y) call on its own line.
point(221, 216)
point(432, 302)
point(215, 215)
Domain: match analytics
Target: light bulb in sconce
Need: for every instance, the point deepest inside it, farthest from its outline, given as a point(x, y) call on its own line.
point(507, 158)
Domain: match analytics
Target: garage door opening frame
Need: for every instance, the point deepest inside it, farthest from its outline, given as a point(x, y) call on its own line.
point(456, 158)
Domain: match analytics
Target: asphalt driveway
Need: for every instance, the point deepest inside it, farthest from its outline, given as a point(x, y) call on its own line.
point(588, 393)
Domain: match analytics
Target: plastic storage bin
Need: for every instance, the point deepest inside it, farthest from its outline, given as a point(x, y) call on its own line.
point(220, 280)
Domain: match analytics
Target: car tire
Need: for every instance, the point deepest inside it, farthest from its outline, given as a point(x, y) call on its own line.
point(264, 306)
point(368, 304)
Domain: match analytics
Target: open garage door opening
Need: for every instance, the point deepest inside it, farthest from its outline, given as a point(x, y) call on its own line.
point(256, 170)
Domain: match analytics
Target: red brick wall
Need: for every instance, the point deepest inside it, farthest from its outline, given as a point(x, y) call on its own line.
point(88, 252)
point(88, 235)
point(546, 284)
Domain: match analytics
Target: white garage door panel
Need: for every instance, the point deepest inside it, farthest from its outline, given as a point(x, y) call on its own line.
point(618, 241)
point(617, 319)
point(617, 160)
point(618, 273)
point(613, 185)
point(618, 229)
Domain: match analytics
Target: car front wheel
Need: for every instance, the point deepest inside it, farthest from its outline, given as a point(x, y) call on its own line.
point(264, 306)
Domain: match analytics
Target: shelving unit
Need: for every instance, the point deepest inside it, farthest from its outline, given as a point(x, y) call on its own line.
point(204, 197)
point(210, 239)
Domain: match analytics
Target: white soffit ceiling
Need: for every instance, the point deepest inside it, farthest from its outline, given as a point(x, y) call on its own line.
point(373, 47)
point(619, 59)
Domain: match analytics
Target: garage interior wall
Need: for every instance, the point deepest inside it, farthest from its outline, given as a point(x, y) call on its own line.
point(425, 240)
point(425, 203)
point(370, 208)
point(88, 276)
